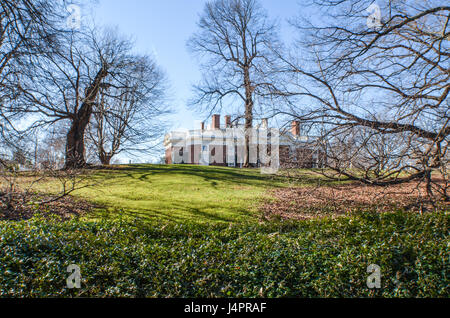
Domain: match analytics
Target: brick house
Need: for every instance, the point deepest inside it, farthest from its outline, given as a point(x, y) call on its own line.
point(216, 146)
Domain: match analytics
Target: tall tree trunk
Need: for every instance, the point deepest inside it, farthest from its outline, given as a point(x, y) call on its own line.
point(248, 115)
point(106, 161)
point(105, 158)
point(75, 150)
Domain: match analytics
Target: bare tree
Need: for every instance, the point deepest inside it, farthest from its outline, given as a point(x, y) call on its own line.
point(236, 36)
point(67, 83)
point(374, 82)
point(28, 28)
point(49, 149)
point(130, 118)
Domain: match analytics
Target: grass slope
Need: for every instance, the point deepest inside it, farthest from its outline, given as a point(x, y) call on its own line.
point(179, 193)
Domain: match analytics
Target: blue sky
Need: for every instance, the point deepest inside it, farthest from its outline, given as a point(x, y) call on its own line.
point(162, 28)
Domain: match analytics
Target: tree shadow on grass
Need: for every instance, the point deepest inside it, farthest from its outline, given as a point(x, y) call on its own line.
point(184, 213)
point(211, 174)
point(181, 206)
point(214, 175)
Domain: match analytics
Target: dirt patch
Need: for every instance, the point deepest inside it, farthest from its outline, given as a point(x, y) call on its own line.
point(313, 202)
point(64, 208)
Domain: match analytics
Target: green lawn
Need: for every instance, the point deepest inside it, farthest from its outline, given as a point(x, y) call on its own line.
point(179, 193)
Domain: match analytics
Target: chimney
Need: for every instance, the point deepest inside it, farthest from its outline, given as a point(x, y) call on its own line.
point(215, 122)
point(296, 128)
point(228, 121)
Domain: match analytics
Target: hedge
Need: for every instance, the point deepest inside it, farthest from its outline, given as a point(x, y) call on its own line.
point(318, 258)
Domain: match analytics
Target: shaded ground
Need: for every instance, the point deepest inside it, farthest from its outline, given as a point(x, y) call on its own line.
point(311, 202)
point(64, 208)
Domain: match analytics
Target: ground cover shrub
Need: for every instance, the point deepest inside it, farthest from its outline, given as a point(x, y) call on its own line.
point(309, 258)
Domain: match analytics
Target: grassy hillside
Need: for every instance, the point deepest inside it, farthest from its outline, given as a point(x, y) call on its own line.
point(178, 193)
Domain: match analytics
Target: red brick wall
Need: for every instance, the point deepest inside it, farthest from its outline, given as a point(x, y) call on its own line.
point(213, 153)
point(169, 156)
point(195, 151)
